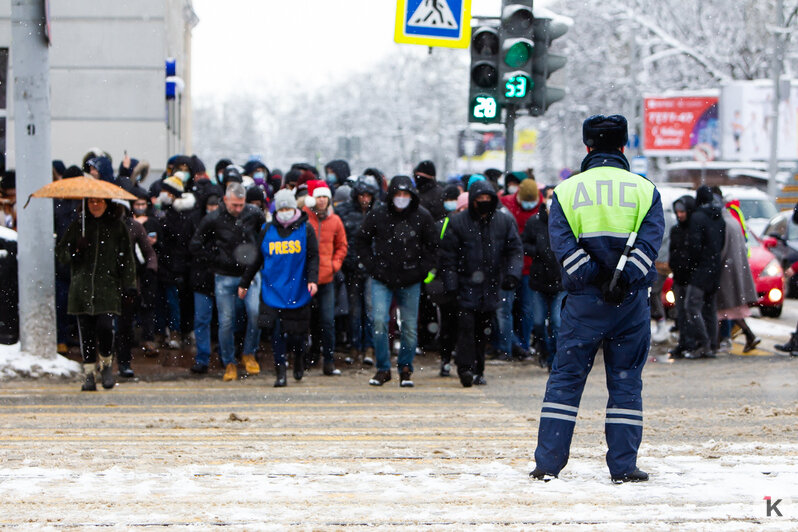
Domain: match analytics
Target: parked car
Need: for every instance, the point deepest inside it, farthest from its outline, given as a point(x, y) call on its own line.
point(9, 288)
point(781, 239)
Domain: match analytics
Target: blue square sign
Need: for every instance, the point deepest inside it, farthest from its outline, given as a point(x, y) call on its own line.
point(433, 22)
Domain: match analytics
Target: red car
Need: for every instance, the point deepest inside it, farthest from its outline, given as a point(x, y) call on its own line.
point(768, 278)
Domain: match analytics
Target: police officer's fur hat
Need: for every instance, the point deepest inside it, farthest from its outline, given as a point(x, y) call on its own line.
point(605, 132)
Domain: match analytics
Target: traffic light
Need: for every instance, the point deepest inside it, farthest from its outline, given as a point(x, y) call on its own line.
point(484, 76)
point(517, 51)
point(544, 63)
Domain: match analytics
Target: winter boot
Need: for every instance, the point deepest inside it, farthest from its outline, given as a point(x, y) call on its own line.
point(280, 381)
point(466, 377)
point(250, 364)
point(539, 474)
point(89, 384)
point(751, 343)
point(125, 370)
point(230, 373)
point(368, 357)
point(635, 476)
point(479, 380)
point(107, 371)
point(299, 366)
point(790, 346)
point(446, 369)
point(354, 354)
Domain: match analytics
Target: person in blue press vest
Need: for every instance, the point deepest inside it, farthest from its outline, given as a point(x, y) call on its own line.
point(288, 261)
point(606, 226)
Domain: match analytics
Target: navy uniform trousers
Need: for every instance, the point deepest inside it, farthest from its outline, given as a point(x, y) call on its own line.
point(624, 333)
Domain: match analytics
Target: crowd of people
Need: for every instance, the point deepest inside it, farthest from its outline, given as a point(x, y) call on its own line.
point(244, 260)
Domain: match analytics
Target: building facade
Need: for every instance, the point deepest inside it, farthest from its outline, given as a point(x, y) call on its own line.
point(108, 79)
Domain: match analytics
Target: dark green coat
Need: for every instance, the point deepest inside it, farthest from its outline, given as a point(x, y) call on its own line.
point(103, 270)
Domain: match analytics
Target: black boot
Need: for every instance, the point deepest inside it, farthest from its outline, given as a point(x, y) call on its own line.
point(466, 378)
point(299, 366)
point(89, 384)
point(635, 476)
point(107, 371)
point(539, 474)
point(280, 382)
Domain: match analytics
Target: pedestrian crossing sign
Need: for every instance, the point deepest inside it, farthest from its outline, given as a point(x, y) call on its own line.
point(433, 22)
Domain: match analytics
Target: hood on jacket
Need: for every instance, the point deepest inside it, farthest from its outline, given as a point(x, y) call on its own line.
point(104, 168)
point(340, 168)
point(688, 204)
point(478, 188)
point(709, 202)
point(402, 182)
point(365, 184)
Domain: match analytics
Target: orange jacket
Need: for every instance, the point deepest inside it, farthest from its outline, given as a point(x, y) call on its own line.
point(332, 244)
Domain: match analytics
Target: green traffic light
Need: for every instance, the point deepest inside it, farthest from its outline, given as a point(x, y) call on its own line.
point(485, 108)
point(517, 55)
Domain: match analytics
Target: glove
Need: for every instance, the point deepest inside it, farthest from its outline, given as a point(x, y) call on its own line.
point(510, 283)
point(617, 294)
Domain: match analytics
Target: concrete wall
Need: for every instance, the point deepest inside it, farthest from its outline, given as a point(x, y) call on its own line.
point(107, 77)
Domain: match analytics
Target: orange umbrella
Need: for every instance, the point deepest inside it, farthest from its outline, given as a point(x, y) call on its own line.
point(81, 188)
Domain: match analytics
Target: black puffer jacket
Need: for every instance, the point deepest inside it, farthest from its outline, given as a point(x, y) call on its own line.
point(201, 271)
point(678, 250)
point(477, 253)
point(227, 242)
point(544, 272)
point(397, 248)
point(353, 216)
point(172, 246)
point(430, 194)
point(706, 235)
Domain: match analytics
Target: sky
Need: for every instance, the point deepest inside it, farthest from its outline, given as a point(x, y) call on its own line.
point(251, 46)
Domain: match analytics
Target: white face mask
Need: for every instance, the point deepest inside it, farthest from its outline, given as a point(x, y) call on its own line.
point(164, 198)
point(183, 175)
point(512, 189)
point(401, 203)
point(548, 204)
point(449, 206)
point(285, 216)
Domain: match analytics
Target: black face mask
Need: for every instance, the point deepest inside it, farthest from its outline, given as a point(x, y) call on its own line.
point(484, 207)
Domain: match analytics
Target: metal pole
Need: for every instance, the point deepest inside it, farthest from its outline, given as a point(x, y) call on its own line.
point(509, 139)
point(773, 164)
point(31, 67)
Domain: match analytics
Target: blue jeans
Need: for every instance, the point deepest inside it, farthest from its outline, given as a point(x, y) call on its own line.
point(326, 302)
point(360, 323)
point(407, 299)
point(226, 290)
point(203, 314)
point(547, 306)
point(173, 307)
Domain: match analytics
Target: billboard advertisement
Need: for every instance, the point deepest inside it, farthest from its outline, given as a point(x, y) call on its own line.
point(675, 125)
point(747, 116)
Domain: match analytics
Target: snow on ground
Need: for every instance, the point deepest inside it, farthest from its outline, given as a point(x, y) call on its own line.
point(16, 363)
point(687, 491)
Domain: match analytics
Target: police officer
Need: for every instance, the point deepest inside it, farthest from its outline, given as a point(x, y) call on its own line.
point(603, 219)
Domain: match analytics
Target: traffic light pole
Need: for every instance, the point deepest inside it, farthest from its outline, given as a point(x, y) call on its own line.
point(509, 139)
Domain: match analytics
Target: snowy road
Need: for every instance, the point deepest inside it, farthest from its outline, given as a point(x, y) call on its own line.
point(330, 453)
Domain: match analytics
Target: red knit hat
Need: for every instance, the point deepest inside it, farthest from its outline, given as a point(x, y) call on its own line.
point(317, 188)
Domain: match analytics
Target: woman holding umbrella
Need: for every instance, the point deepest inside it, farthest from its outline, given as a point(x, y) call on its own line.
point(97, 247)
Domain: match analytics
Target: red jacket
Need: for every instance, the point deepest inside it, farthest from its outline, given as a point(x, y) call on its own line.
point(520, 216)
point(332, 244)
